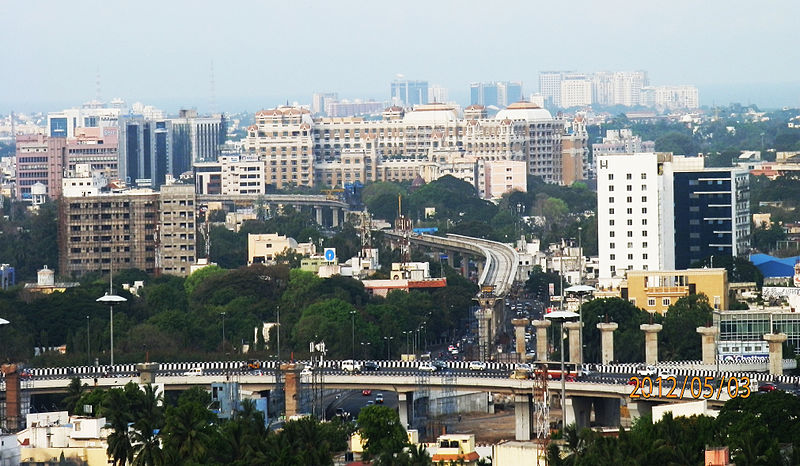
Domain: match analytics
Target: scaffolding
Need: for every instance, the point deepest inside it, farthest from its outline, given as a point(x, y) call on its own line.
point(541, 412)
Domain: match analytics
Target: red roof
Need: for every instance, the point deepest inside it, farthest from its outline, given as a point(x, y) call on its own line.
point(471, 456)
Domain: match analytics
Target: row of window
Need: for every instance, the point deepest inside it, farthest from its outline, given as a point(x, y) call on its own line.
point(628, 187)
point(628, 176)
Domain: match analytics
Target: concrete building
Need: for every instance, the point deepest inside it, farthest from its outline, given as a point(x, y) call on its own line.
point(346, 108)
point(82, 181)
point(319, 102)
point(437, 93)
point(670, 97)
point(78, 438)
point(497, 94)
point(504, 176)
point(657, 290)
point(39, 159)
point(66, 123)
point(195, 139)
point(176, 240)
point(741, 333)
point(230, 175)
point(576, 90)
point(575, 163)
point(297, 150)
point(138, 228)
point(604, 88)
point(262, 249)
point(97, 147)
point(550, 88)
point(8, 276)
point(407, 93)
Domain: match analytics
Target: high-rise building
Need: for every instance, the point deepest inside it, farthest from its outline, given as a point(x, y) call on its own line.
point(550, 87)
point(64, 124)
point(97, 147)
point(670, 97)
point(621, 141)
point(145, 151)
point(195, 139)
point(657, 211)
point(508, 92)
point(407, 93)
point(319, 102)
point(576, 90)
point(175, 248)
point(40, 159)
point(437, 94)
point(497, 94)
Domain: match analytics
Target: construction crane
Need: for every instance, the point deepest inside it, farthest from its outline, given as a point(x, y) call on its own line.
point(333, 194)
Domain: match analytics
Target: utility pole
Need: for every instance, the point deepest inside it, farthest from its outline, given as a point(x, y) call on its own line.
point(278, 332)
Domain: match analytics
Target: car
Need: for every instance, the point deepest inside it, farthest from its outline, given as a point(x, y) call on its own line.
point(308, 370)
point(647, 371)
point(351, 366)
point(767, 387)
point(570, 378)
point(477, 366)
point(366, 392)
point(370, 403)
point(666, 373)
point(523, 367)
point(370, 366)
point(427, 367)
point(379, 398)
point(439, 364)
point(194, 372)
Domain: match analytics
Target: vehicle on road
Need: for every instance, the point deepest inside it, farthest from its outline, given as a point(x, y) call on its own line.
point(370, 403)
point(379, 398)
point(427, 367)
point(371, 366)
point(194, 372)
point(253, 364)
point(308, 370)
point(439, 364)
point(477, 366)
point(767, 387)
point(351, 366)
point(366, 392)
point(646, 371)
point(666, 373)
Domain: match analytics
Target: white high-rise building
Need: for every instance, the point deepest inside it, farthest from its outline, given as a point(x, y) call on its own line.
point(670, 97)
point(634, 198)
point(437, 93)
point(550, 87)
point(576, 90)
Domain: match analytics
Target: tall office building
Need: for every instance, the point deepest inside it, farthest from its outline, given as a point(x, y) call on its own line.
point(670, 97)
point(656, 211)
point(40, 159)
point(508, 92)
point(407, 93)
point(319, 102)
point(145, 151)
point(576, 90)
point(550, 87)
point(497, 94)
point(437, 94)
point(195, 139)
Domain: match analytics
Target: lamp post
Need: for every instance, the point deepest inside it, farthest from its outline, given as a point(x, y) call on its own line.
point(364, 346)
point(353, 332)
point(88, 352)
point(111, 299)
point(388, 345)
point(561, 317)
point(223, 330)
point(278, 333)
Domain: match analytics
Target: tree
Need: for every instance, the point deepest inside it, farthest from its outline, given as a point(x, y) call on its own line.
point(384, 435)
point(680, 324)
point(188, 428)
point(677, 143)
point(628, 338)
point(74, 394)
point(149, 419)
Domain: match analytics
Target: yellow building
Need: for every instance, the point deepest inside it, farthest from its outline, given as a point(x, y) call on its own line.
point(657, 290)
point(454, 448)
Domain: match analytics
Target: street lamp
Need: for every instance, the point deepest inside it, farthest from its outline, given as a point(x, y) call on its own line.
point(561, 317)
point(580, 290)
point(88, 352)
point(111, 299)
point(364, 346)
point(406, 333)
point(223, 330)
point(388, 345)
point(353, 334)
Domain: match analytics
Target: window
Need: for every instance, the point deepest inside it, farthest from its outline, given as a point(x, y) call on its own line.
point(644, 210)
point(644, 187)
point(611, 176)
point(630, 234)
point(665, 302)
point(630, 245)
point(716, 302)
point(610, 188)
point(630, 211)
point(629, 199)
point(644, 232)
point(644, 198)
point(612, 256)
point(630, 221)
point(629, 176)
point(610, 199)
point(644, 221)
point(644, 256)
point(644, 176)
point(630, 257)
point(611, 223)
point(611, 245)
point(632, 301)
point(611, 211)
point(611, 234)
point(629, 188)
point(651, 302)
point(644, 245)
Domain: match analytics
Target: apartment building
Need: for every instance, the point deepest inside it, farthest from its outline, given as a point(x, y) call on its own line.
point(137, 228)
point(230, 175)
point(657, 290)
point(40, 159)
point(670, 97)
point(97, 147)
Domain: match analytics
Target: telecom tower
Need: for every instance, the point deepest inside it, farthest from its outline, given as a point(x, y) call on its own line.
point(403, 225)
point(541, 413)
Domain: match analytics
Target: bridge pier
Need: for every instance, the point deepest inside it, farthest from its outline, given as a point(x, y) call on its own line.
point(607, 340)
point(291, 387)
point(607, 412)
point(775, 341)
point(318, 215)
point(541, 339)
point(574, 329)
point(650, 342)
point(522, 416)
point(335, 221)
point(405, 403)
point(635, 410)
point(519, 337)
point(484, 316)
point(578, 411)
point(147, 372)
point(708, 335)
point(451, 260)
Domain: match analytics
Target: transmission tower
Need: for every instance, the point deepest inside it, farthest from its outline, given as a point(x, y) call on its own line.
point(541, 413)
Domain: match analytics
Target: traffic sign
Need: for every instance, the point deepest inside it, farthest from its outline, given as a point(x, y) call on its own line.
point(330, 254)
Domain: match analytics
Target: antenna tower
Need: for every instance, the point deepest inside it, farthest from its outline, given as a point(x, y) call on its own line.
point(541, 413)
point(403, 226)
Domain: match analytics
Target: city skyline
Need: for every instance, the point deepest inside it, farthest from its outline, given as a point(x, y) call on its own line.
point(166, 59)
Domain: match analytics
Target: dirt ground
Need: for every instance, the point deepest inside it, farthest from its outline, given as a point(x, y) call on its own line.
point(487, 428)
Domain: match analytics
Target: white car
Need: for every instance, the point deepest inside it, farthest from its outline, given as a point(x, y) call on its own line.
point(477, 366)
point(523, 367)
point(647, 371)
point(666, 373)
point(194, 372)
point(351, 366)
point(427, 367)
point(307, 371)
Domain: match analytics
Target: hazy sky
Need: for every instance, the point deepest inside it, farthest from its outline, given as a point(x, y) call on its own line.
point(264, 53)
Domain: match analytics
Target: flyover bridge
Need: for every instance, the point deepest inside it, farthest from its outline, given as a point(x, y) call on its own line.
point(326, 211)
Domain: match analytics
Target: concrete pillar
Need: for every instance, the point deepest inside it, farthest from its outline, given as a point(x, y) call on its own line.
point(523, 418)
point(451, 261)
point(541, 339)
point(637, 409)
point(291, 388)
point(606, 412)
point(147, 372)
point(519, 335)
point(775, 341)
point(465, 267)
point(574, 329)
point(405, 401)
point(650, 342)
point(484, 316)
point(709, 338)
point(318, 214)
point(578, 410)
point(607, 341)
point(479, 266)
point(335, 222)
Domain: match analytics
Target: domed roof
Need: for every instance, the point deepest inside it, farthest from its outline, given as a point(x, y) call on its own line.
point(523, 111)
point(431, 113)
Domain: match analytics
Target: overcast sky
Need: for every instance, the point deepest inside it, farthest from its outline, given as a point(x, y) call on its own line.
point(160, 52)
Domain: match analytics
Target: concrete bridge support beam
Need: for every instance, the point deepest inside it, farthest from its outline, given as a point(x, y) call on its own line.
point(606, 412)
point(405, 402)
point(574, 329)
point(578, 411)
point(484, 316)
point(291, 387)
point(775, 341)
point(709, 338)
point(451, 260)
point(335, 222)
point(650, 342)
point(635, 410)
point(607, 341)
point(318, 215)
point(523, 418)
point(519, 337)
point(147, 372)
point(541, 339)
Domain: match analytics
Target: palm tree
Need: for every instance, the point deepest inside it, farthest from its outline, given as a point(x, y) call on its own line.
point(116, 409)
point(150, 419)
point(186, 432)
point(74, 393)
